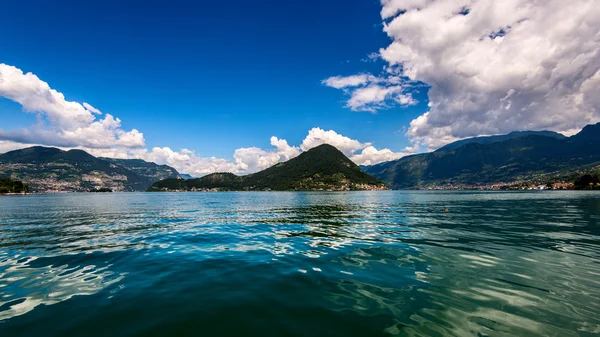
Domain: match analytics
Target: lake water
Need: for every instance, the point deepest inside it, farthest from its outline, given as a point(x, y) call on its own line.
point(301, 264)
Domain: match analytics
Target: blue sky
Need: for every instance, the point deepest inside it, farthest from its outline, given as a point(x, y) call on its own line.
point(207, 85)
point(210, 76)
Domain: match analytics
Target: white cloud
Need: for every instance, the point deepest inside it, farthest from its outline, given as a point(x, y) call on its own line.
point(371, 156)
point(61, 122)
point(318, 136)
point(374, 97)
point(91, 108)
point(6, 146)
point(360, 153)
point(493, 66)
point(504, 66)
point(254, 159)
point(372, 57)
point(371, 93)
point(340, 82)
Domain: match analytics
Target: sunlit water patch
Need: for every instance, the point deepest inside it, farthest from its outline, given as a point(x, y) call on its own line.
point(301, 264)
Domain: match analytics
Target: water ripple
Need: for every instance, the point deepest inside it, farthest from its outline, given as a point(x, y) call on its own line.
point(301, 264)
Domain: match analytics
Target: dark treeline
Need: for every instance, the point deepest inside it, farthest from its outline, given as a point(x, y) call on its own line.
point(588, 182)
point(12, 186)
point(101, 190)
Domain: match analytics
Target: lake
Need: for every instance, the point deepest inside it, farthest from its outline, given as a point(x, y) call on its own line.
point(301, 264)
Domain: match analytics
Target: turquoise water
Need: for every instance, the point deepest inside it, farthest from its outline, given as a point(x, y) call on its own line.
point(301, 264)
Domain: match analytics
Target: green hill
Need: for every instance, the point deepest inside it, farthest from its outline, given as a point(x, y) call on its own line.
point(50, 169)
point(321, 168)
point(507, 159)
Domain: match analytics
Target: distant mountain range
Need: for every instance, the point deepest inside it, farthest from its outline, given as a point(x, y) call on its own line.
point(46, 169)
point(518, 157)
point(321, 168)
point(483, 161)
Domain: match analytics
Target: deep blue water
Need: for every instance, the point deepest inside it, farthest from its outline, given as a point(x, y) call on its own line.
point(301, 264)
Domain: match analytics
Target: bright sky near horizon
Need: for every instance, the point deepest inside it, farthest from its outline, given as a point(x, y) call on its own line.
point(238, 86)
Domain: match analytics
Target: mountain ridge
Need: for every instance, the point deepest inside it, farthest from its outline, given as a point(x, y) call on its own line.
point(48, 169)
point(514, 159)
point(499, 138)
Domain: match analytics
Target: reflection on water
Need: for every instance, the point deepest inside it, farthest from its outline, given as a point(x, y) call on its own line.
point(301, 264)
point(24, 285)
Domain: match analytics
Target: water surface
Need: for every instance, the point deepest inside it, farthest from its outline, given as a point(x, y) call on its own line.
point(301, 264)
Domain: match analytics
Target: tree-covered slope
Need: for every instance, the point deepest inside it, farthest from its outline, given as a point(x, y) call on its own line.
point(12, 186)
point(475, 163)
point(149, 170)
point(321, 168)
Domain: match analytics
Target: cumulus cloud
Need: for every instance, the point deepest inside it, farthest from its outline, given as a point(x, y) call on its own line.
point(318, 136)
point(374, 97)
point(61, 122)
point(494, 66)
point(340, 82)
point(371, 156)
point(252, 159)
point(358, 152)
point(371, 93)
point(498, 66)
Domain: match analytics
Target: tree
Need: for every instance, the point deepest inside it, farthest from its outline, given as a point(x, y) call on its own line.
point(583, 182)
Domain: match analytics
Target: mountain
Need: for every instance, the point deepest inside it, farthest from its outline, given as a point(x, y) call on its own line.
point(49, 169)
point(500, 160)
point(321, 168)
point(152, 171)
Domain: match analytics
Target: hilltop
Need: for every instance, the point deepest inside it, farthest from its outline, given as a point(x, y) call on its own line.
point(321, 168)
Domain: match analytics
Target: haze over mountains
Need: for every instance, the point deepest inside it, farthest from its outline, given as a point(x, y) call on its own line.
point(484, 161)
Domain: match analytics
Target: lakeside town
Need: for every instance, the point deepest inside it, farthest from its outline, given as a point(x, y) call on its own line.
point(45, 186)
